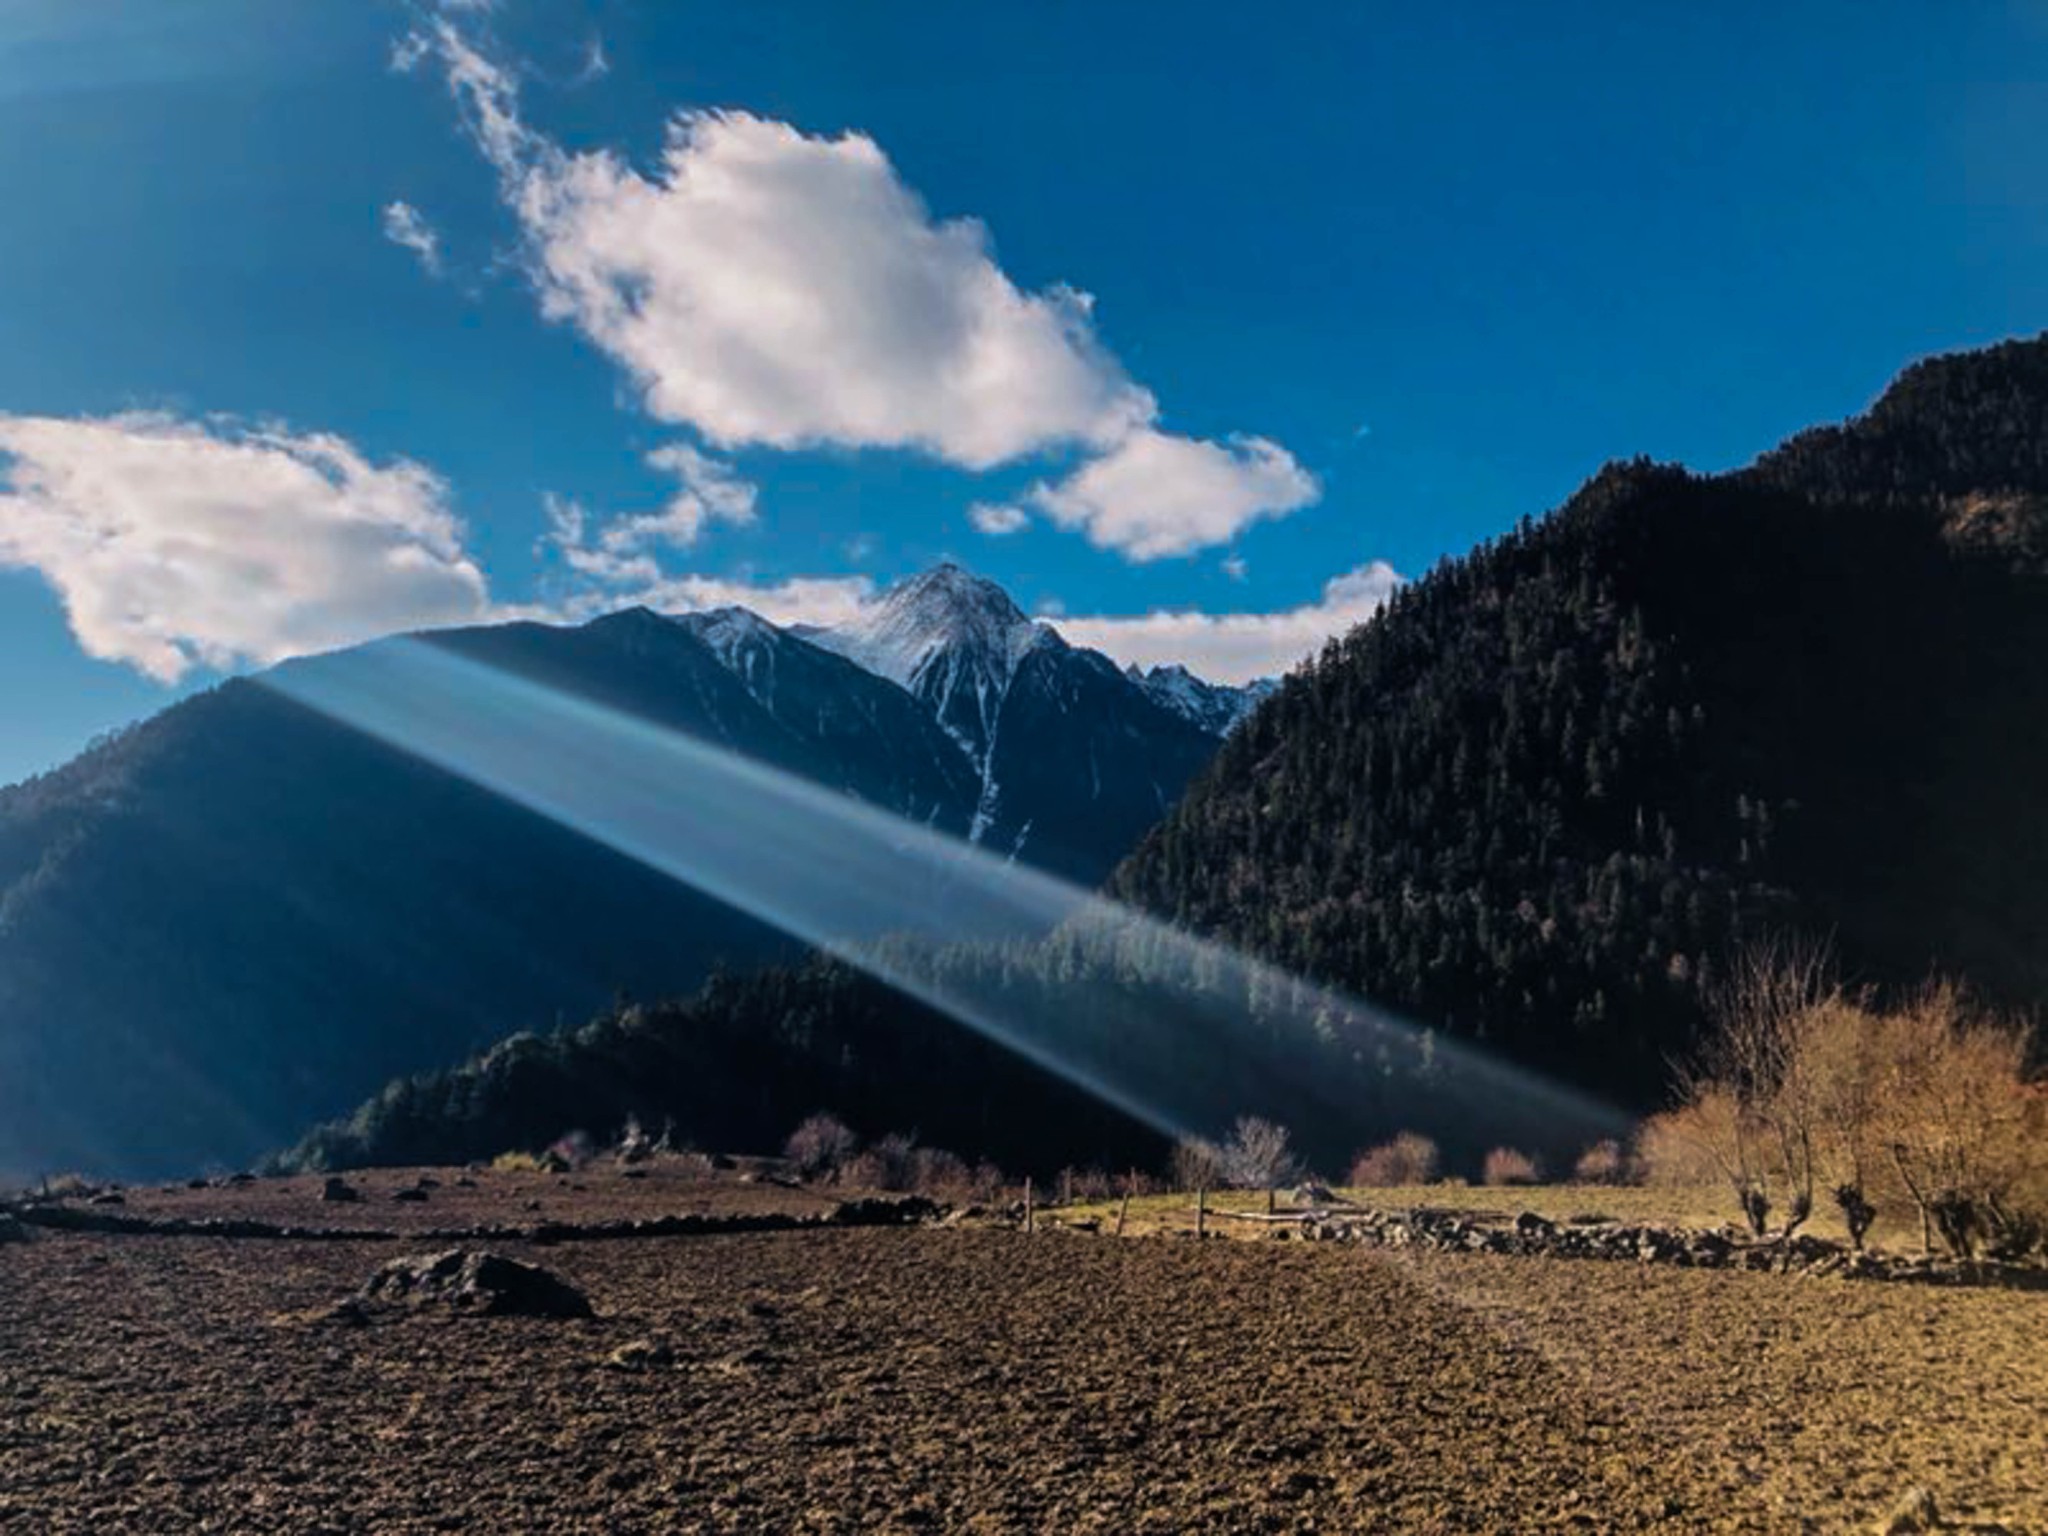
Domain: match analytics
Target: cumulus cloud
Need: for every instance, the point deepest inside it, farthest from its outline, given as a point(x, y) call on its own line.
point(176, 544)
point(1237, 647)
point(772, 288)
point(1156, 494)
point(405, 225)
point(996, 519)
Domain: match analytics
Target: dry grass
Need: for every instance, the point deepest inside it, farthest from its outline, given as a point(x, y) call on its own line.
point(1698, 1206)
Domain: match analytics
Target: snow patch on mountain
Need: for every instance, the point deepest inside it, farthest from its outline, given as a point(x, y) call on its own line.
point(1217, 708)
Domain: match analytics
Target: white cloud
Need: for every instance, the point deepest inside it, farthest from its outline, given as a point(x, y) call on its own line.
point(405, 225)
point(1237, 647)
point(409, 52)
point(820, 600)
point(175, 544)
point(767, 287)
point(996, 519)
point(1234, 567)
point(1158, 494)
point(624, 549)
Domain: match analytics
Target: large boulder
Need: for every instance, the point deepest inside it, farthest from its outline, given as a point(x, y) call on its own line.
point(475, 1283)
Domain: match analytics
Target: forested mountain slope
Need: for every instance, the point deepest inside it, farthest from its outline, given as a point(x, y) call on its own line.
point(1541, 796)
point(241, 916)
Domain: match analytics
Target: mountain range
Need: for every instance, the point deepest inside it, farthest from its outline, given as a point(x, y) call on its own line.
point(240, 916)
point(1535, 806)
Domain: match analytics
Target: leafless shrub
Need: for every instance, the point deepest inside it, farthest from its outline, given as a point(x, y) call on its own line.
point(1410, 1158)
point(820, 1146)
point(935, 1171)
point(1088, 1184)
point(1506, 1165)
point(1924, 1107)
point(890, 1165)
point(1258, 1155)
point(1604, 1162)
point(1196, 1164)
point(1960, 1125)
point(1755, 1106)
point(986, 1183)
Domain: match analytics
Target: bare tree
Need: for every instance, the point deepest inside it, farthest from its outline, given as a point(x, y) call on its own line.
point(1196, 1164)
point(1258, 1155)
point(1750, 1097)
point(1956, 1128)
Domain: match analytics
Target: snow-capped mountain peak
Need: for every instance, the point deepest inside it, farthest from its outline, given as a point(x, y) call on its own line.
point(729, 631)
point(945, 609)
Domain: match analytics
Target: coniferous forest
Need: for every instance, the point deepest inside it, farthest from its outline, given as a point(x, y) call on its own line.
point(1536, 804)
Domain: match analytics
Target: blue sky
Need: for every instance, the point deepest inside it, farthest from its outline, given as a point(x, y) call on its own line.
point(1365, 285)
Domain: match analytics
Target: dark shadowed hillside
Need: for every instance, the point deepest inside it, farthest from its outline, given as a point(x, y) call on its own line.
point(239, 916)
point(1540, 797)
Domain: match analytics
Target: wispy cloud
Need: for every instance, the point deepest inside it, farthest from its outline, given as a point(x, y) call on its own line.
point(404, 225)
point(624, 550)
point(596, 63)
point(176, 544)
point(995, 518)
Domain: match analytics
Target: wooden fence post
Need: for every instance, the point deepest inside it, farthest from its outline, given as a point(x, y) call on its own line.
point(1202, 1212)
point(1030, 1215)
point(1122, 1212)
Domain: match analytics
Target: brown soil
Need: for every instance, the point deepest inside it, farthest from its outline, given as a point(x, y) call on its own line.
point(978, 1379)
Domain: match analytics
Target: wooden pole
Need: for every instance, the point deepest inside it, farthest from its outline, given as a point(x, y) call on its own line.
point(1269, 1199)
point(1122, 1213)
point(1030, 1215)
point(1202, 1212)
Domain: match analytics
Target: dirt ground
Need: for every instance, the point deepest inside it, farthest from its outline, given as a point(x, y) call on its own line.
point(976, 1379)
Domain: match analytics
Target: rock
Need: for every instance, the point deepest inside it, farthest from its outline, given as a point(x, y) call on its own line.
point(11, 1230)
point(640, 1355)
point(413, 1195)
point(476, 1283)
point(1915, 1511)
point(338, 1191)
point(1314, 1194)
point(107, 1197)
point(910, 1211)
